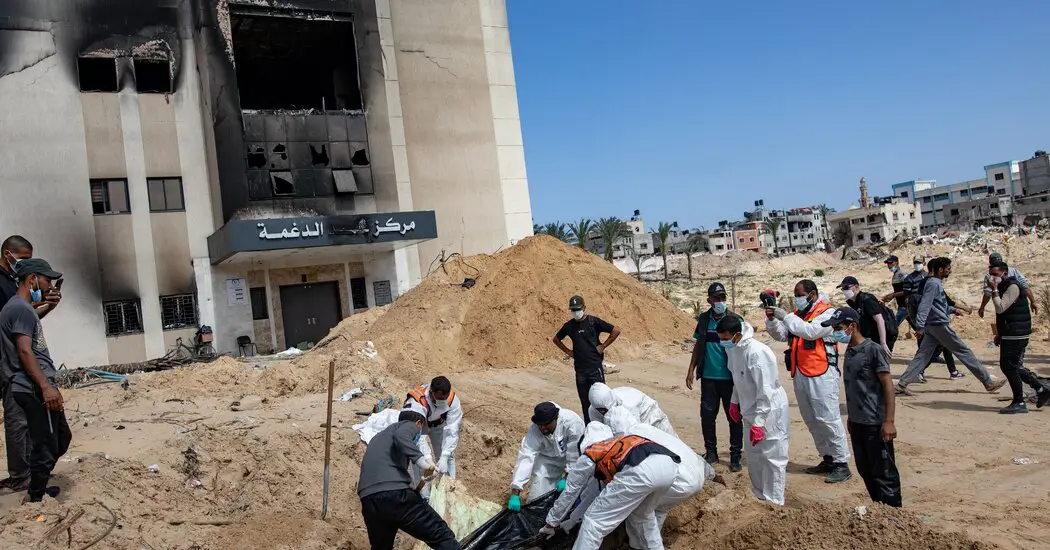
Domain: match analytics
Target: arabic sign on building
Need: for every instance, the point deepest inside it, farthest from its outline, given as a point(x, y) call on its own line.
point(390, 229)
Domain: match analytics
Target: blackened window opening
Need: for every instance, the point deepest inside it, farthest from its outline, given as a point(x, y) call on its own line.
point(286, 63)
point(153, 76)
point(97, 74)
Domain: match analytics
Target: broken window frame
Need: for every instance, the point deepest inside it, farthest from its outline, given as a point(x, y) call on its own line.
point(169, 89)
point(82, 72)
point(106, 194)
point(179, 311)
point(165, 184)
point(122, 317)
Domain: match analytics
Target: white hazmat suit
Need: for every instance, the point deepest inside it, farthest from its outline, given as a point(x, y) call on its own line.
point(644, 408)
point(763, 402)
point(817, 396)
point(546, 459)
point(632, 496)
point(439, 442)
point(692, 473)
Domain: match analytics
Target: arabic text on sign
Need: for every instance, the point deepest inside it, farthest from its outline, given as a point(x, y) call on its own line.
point(394, 227)
point(307, 231)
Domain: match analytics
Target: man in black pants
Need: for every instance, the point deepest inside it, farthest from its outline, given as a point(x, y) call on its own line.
point(31, 374)
point(588, 351)
point(388, 502)
point(1013, 323)
point(870, 407)
point(710, 364)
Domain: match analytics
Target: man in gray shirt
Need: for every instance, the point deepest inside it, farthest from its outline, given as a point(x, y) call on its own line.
point(30, 373)
point(388, 501)
point(933, 325)
point(870, 407)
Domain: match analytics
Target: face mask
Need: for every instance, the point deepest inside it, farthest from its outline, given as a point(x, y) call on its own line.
point(893, 269)
point(12, 261)
point(35, 295)
point(801, 302)
point(727, 344)
point(849, 294)
point(578, 315)
point(841, 336)
point(918, 267)
point(719, 307)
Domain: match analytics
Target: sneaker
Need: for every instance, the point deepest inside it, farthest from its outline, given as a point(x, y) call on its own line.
point(734, 464)
point(711, 457)
point(902, 390)
point(1042, 397)
point(957, 375)
point(991, 345)
point(824, 467)
point(839, 473)
point(922, 378)
point(1014, 408)
point(15, 485)
point(995, 385)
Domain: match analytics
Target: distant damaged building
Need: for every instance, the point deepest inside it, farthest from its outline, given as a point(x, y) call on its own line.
point(266, 168)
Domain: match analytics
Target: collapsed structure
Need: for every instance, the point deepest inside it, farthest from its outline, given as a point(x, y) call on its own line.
point(266, 168)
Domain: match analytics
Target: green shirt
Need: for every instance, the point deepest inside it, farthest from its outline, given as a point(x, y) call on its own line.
point(716, 363)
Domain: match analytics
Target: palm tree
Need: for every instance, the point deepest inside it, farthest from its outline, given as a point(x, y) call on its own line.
point(825, 229)
point(611, 229)
point(580, 230)
point(692, 246)
point(663, 233)
point(557, 230)
point(537, 229)
point(773, 226)
point(632, 253)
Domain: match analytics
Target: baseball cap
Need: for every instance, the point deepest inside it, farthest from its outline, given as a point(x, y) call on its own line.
point(919, 259)
point(842, 315)
point(849, 281)
point(891, 259)
point(994, 257)
point(576, 303)
point(545, 413)
point(716, 289)
point(35, 266)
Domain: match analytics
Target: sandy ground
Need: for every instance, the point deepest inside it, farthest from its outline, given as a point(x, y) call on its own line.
point(239, 446)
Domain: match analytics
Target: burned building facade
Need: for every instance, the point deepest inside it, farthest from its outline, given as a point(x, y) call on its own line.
point(265, 168)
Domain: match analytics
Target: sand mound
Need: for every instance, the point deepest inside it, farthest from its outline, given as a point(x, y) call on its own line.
point(508, 318)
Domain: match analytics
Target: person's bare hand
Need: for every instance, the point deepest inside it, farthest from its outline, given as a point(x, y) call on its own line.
point(601, 349)
point(1035, 308)
point(769, 313)
point(689, 380)
point(980, 312)
point(52, 399)
point(53, 297)
point(889, 352)
point(889, 431)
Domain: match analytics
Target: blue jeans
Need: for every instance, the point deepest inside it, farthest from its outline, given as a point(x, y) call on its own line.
point(902, 312)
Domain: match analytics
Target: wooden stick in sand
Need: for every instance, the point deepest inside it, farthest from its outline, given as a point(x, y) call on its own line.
point(328, 439)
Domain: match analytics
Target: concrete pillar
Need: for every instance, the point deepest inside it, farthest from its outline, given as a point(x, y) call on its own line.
point(142, 228)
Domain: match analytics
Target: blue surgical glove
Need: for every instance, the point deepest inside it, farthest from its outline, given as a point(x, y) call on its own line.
point(561, 485)
point(514, 504)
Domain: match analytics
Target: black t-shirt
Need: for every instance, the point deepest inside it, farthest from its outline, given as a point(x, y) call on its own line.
point(584, 335)
point(8, 287)
point(867, 305)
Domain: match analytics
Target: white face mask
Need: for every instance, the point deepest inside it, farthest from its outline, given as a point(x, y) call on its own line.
point(578, 314)
point(849, 294)
point(918, 267)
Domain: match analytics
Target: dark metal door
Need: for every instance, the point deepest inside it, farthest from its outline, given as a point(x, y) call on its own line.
point(309, 312)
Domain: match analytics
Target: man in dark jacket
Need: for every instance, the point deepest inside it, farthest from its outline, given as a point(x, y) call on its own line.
point(709, 363)
point(388, 501)
point(873, 325)
point(1013, 320)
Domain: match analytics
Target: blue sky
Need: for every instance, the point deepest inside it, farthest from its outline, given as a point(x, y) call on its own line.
point(690, 110)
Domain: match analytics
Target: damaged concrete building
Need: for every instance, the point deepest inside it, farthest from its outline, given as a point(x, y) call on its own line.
point(266, 168)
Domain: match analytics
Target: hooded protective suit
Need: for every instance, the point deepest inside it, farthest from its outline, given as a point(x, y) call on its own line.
point(692, 473)
point(631, 496)
point(546, 459)
point(439, 442)
point(817, 396)
point(644, 408)
point(763, 402)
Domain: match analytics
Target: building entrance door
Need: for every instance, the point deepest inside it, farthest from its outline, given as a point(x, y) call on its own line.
point(309, 311)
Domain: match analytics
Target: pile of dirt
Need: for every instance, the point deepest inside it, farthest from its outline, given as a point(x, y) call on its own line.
point(518, 302)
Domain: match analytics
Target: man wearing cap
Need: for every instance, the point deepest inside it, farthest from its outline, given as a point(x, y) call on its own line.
point(716, 382)
point(897, 282)
point(16, 431)
point(870, 407)
point(988, 287)
point(588, 351)
point(549, 448)
point(31, 374)
point(873, 324)
point(388, 501)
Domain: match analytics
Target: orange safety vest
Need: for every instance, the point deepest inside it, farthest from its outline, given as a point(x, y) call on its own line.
point(609, 455)
point(419, 395)
point(812, 357)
